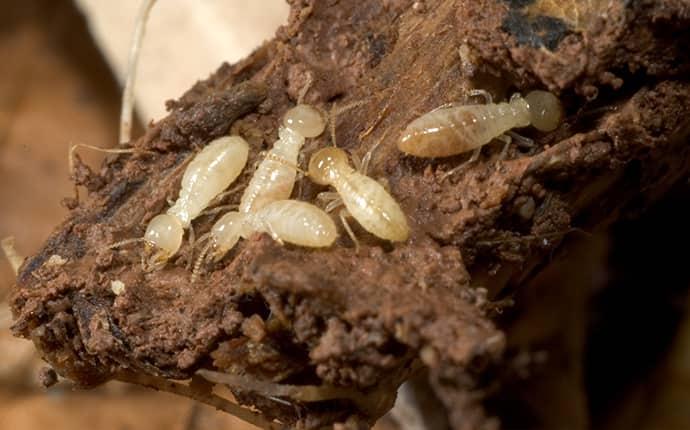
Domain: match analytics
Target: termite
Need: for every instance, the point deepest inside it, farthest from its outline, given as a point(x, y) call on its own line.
point(274, 178)
point(363, 197)
point(452, 130)
point(290, 221)
point(209, 173)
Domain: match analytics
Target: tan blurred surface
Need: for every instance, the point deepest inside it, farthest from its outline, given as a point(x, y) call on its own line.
point(132, 410)
point(185, 40)
point(55, 90)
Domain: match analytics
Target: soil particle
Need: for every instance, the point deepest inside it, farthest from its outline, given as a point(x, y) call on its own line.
point(47, 377)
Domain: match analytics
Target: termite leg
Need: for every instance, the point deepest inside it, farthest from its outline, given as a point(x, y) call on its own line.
point(273, 234)
point(333, 205)
point(335, 202)
point(463, 166)
point(366, 160)
point(520, 140)
point(507, 140)
point(343, 214)
point(300, 176)
point(327, 196)
point(484, 94)
point(220, 197)
point(356, 162)
point(192, 240)
point(219, 209)
point(475, 155)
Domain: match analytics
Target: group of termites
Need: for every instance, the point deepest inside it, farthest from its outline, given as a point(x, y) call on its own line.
point(266, 207)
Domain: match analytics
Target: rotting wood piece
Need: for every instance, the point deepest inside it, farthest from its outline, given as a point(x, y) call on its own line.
point(352, 319)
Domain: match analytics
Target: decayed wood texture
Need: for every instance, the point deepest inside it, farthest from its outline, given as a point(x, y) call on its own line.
point(363, 320)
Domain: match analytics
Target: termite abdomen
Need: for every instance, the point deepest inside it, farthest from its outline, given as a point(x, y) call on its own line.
point(454, 130)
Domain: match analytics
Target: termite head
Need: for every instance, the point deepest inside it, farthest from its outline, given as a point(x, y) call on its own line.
point(226, 232)
point(325, 163)
point(305, 120)
point(546, 111)
point(164, 232)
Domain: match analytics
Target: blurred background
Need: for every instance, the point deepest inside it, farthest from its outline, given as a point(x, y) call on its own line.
point(62, 65)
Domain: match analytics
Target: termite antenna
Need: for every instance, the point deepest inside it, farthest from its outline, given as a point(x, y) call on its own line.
point(369, 156)
point(128, 93)
point(203, 238)
point(193, 241)
point(73, 148)
point(124, 242)
point(305, 89)
point(200, 261)
point(333, 115)
point(331, 123)
point(486, 96)
point(473, 158)
point(284, 162)
point(13, 257)
point(382, 114)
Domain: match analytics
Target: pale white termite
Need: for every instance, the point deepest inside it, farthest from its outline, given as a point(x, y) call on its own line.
point(448, 131)
point(275, 176)
point(290, 221)
point(364, 198)
point(209, 173)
